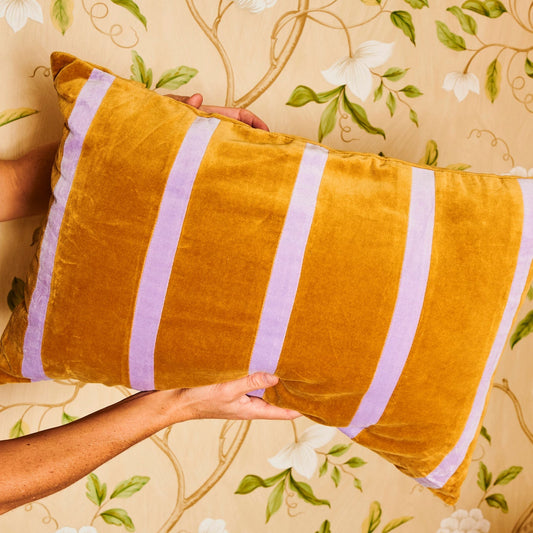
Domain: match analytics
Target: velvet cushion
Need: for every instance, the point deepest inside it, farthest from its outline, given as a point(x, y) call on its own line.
point(182, 249)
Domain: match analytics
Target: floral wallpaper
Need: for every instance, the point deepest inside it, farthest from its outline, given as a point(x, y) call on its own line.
point(442, 83)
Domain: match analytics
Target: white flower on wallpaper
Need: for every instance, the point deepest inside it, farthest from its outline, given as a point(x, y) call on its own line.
point(254, 6)
point(522, 172)
point(461, 84)
point(17, 12)
point(462, 521)
point(84, 529)
point(212, 526)
point(354, 71)
point(301, 455)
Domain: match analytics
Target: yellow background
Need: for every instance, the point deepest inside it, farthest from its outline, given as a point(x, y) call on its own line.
point(257, 60)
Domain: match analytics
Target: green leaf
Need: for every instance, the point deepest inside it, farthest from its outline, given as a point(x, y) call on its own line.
point(355, 462)
point(269, 481)
point(19, 429)
point(133, 8)
point(129, 486)
point(357, 484)
point(306, 492)
point(336, 476)
point(495, 8)
point(417, 4)
point(339, 449)
point(492, 85)
point(411, 91)
point(413, 116)
point(484, 477)
point(378, 93)
point(139, 71)
point(448, 38)
point(373, 519)
point(251, 482)
point(404, 21)
point(328, 119)
point(476, 6)
point(323, 469)
point(508, 475)
point(530, 293)
point(498, 501)
point(96, 491)
point(275, 499)
point(432, 154)
point(485, 434)
point(118, 517)
point(16, 294)
point(358, 115)
point(61, 13)
point(10, 115)
point(391, 103)
point(176, 77)
point(524, 328)
point(395, 73)
point(529, 67)
point(489, 8)
point(468, 24)
point(303, 95)
point(397, 522)
point(67, 419)
point(326, 96)
point(325, 527)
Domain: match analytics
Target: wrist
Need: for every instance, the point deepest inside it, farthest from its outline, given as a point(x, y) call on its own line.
point(167, 407)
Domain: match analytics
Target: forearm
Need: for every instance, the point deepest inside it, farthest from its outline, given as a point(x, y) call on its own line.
point(25, 183)
point(40, 464)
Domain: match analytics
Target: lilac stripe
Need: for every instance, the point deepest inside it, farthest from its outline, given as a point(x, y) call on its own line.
point(161, 251)
point(453, 460)
point(408, 307)
point(85, 108)
point(286, 270)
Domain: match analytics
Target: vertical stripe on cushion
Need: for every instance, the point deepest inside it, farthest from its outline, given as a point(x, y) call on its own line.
point(285, 275)
point(409, 302)
point(161, 251)
point(82, 115)
point(440, 475)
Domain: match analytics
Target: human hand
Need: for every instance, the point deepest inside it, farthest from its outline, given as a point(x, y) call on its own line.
point(243, 115)
point(225, 400)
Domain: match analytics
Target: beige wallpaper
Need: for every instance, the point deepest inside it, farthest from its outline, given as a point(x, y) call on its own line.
point(445, 83)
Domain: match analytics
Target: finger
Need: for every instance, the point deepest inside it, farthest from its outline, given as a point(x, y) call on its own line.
point(252, 120)
point(177, 97)
point(258, 380)
point(242, 115)
point(253, 382)
point(195, 100)
point(257, 408)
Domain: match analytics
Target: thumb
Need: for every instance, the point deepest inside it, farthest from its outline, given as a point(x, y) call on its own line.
point(261, 380)
point(256, 381)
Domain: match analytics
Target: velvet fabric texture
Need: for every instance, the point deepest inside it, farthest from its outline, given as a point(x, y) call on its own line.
point(183, 249)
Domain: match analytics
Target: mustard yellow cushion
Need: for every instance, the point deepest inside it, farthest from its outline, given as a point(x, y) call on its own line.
point(183, 249)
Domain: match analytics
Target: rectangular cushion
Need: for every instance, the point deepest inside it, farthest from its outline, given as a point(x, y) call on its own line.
point(183, 249)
